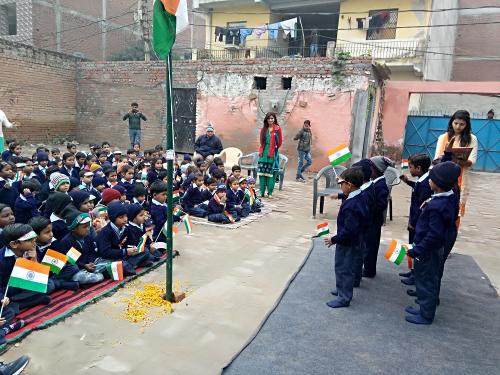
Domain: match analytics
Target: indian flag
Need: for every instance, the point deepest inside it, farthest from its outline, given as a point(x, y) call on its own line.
point(249, 196)
point(178, 178)
point(187, 223)
point(175, 195)
point(404, 164)
point(29, 275)
point(115, 270)
point(73, 255)
point(102, 211)
point(54, 260)
point(395, 253)
point(141, 246)
point(177, 212)
point(164, 230)
point(170, 17)
point(339, 154)
point(322, 229)
point(230, 217)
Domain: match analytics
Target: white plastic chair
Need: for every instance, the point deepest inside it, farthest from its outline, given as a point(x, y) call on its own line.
point(230, 156)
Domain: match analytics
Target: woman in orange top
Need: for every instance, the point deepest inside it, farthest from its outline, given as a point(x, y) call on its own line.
point(459, 135)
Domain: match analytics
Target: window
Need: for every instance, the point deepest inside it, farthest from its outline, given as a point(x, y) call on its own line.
point(259, 83)
point(286, 83)
point(233, 32)
point(8, 19)
point(382, 24)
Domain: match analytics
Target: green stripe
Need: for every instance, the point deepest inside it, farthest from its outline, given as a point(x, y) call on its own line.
point(164, 30)
point(400, 257)
point(341, 159)
point(71, 260)
point(53, 268)
point(28, 285)
point(325, 232)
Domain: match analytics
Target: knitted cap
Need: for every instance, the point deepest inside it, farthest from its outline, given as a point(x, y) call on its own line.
point(242, 179)
point(73, 183)
point(221, 187)
point(139, 190)
point(57, 179)
point(75, 218)
point(187, 157)
point(42, 156)
point(250, 180)
point(120, 189)
point(210, 128)
point(445, 175)
point(381, 163)
point(79, 197)
point(115, 210)
point(95, 167)
point(98, 180)
point(109, 194)
point(58, 201)
point(133, 210)
point(366, 167)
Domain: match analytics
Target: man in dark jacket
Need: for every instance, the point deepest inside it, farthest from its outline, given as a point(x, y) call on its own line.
point(206, 146)
point(304, 136)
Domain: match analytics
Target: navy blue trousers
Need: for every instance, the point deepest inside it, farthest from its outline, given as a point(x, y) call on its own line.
point(371, 250)
point(426, 270)
point(218, 218)
point(357, 263)
point(344, 275)
point(451, 237)
point(200, 211)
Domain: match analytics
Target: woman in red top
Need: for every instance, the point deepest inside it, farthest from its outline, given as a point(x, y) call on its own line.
point(271, 140)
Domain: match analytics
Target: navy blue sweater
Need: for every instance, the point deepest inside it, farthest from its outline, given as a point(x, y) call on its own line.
point(109, 245)
point(152, 176)
point(9, 195)
point(214, 207)
point(39, 175)
point(25, 209)
point(232, 199)
point(59, 229)
point(381, 192)
point(436, 219)
point(193, 196)
point(86, 246)
point(350, 220)
point(6, 266)
point(421, 192)
point(73, 173)
point(159, 217)
point(129, 188)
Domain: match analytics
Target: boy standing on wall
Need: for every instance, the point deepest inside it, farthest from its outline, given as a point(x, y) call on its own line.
point(304, 136)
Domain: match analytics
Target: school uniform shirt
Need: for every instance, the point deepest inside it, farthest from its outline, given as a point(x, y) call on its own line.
point(25, 208)
point(86, 246)
point(9, 195)
point(91, 190)
point(112, 242)
point(70, 172)
point(421, 192)
point(193, 196)
point(350, 220)
point(129, 188)
point(232, 199)
point(436, 219)
point(381, 192)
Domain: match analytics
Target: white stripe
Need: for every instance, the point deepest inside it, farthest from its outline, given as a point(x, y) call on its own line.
point(114, 270)
point(22, 273)
point(47, 259)
point(395, 253)
point(181, 17)
point(338, 154)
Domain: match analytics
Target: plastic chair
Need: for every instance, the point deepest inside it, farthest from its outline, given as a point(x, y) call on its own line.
point(250, 162)
point(331, 186)
point(283, 163)
point(392, 179)
point(231, 156)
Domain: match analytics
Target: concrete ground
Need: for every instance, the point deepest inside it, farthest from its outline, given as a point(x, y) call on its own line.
point(235, 276)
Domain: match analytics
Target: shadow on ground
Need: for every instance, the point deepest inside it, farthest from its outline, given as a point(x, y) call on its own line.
point(304, 336)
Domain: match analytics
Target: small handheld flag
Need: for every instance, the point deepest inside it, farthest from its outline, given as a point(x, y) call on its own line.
point(404, 165)
point(322, 229)
point(177, 212)
point(141, 246)
point(29, 275)
point(249, 197)
point(187, 223)
point(175, 195)
point(230, 217)
point(54, 260)
point(339, 154)
point(73, 255)
point(115, 270)
point(396, 252)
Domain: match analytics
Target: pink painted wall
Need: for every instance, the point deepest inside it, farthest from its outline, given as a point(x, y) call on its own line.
point(234, 120)
point(397, 96)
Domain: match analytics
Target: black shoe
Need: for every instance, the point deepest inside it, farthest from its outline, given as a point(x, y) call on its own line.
point(411, 310)
point(368, 275)
point(405, 274)
point(335, 292)
point(408, 281)
point(411, 292)
point(13, 327)
point(14, 367)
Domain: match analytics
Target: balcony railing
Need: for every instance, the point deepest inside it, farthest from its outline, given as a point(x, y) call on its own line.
point(383, 49)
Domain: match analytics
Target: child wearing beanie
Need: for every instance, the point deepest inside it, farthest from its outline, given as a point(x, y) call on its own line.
point(59, 182)
point(137, 216)
point(435, 221)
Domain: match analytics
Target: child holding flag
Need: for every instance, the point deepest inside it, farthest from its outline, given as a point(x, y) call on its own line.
point(20, 239)
point(431, 236)
point(139, 236)
point(348, 240)
point(159, 209)
point(217, 206)
point(80, 248)
point(421, 191)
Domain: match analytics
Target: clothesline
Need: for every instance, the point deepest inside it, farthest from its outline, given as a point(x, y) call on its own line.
point(241, 34)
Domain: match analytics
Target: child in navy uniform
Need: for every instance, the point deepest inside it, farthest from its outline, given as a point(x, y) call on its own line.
point(136, 219)
point(257, 203)
point(26, 203)
point(244, 196)
point(421, 191)
point(128, 181)
point(159, 209)
point(348, 240)
point(9, 190)
point(217, 206)
point(233, 202)
point(381, 191)
point(436, 220)
point(192, 201)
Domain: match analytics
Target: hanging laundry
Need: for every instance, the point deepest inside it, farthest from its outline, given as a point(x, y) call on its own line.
point(258, 31)
point(288, 27)
point(233, 36)
point(244, 33)
point(273, 30)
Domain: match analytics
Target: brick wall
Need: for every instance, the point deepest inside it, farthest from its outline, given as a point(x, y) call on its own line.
point(37, 90)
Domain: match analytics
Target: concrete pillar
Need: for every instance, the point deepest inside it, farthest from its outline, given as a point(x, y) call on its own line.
point(359, 124)
point(57, 11)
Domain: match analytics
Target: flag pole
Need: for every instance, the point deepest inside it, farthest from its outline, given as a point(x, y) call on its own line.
point(170, 170)
point(3, 300)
